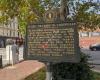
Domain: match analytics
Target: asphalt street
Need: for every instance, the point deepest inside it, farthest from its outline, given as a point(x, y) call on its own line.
point(94, 55)
point(94, 58)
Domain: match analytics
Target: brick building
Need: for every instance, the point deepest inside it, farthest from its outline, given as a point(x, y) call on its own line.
point(88, 38)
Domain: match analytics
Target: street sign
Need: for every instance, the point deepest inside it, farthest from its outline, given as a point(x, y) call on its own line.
point(52, 42)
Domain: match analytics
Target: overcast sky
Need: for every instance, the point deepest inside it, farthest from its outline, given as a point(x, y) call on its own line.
point(92, 0)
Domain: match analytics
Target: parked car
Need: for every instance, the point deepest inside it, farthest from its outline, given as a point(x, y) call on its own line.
point(94, 47)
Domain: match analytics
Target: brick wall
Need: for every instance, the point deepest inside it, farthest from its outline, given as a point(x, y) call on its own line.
point(86, 41)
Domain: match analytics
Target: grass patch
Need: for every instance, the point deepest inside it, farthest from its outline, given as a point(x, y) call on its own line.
point(41, 75)
point(96, 76)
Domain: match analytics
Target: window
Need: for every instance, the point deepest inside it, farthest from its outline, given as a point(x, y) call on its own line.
point(10, 33)
point(14, 34)
point(2, 43)
point(95, 33)
point(1, 31)
point(84, 34)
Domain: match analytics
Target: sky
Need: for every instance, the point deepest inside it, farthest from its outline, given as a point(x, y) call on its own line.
point(98, 1)
point(92, 0)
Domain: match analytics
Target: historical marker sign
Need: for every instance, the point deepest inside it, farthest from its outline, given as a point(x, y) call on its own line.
point(53, 42)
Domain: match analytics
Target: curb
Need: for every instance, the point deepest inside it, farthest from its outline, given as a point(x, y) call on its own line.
point(98, 71)
point(94, 63)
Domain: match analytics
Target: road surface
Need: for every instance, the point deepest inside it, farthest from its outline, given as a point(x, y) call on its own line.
point(94, 58)
point(94, 55)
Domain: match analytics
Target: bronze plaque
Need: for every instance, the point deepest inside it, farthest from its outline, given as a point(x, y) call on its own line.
point(53, 42)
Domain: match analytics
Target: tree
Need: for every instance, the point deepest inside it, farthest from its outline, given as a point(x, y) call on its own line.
point(85, 12)
point(87, 16)
point(28, 11)
point(25, 11)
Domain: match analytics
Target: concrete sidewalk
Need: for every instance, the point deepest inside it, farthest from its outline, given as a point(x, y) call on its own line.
point(20, 70)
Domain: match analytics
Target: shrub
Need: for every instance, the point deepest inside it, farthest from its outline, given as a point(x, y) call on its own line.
point(74, 71)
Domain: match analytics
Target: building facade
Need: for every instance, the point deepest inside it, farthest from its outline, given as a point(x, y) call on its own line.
point(8, 31)
point(87, 38)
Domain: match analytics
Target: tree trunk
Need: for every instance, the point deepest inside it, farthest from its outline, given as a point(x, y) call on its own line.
point(64, 11)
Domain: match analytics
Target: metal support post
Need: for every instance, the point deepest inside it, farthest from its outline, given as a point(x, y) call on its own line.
point(48, 71)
